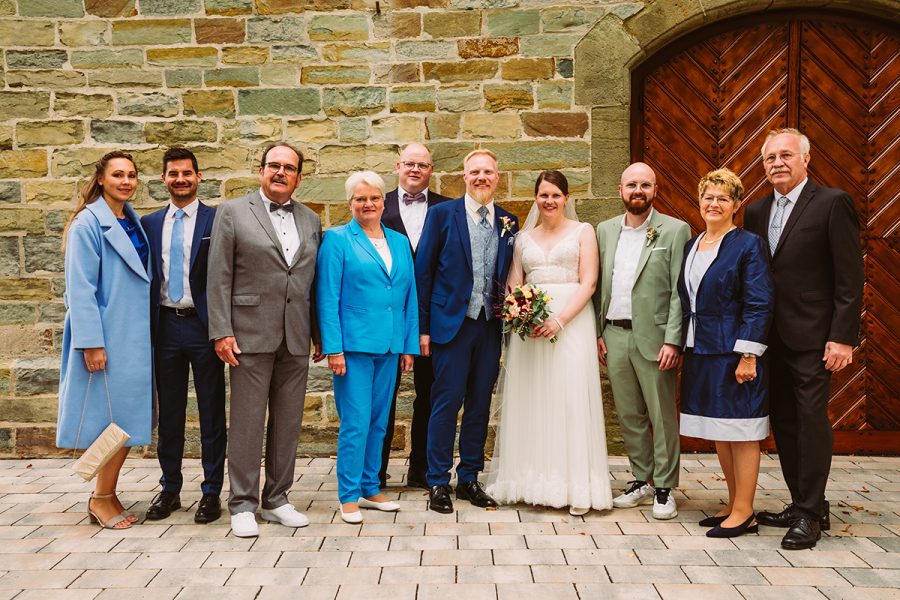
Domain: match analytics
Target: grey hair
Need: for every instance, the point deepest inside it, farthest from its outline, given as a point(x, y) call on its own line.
point(804, 141)
point(368, 177)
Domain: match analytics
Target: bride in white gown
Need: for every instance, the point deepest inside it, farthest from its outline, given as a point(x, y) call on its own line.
point(551, 442)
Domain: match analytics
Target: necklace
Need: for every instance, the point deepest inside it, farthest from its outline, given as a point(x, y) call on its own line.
point(713, 241)
point(379, 243)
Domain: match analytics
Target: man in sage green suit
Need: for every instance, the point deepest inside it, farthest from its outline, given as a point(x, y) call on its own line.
point(639, 324)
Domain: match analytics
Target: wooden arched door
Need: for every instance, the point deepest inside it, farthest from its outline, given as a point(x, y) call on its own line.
point(708, 100)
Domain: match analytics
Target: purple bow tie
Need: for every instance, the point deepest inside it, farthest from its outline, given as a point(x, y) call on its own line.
point(413, 198)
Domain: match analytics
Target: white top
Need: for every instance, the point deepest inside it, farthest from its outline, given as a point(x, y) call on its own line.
point(628, 253)
point(792, 197)
point(413, 216)
point(381, 246)
point(189, 220)
point(472, 207)
point(285, 229)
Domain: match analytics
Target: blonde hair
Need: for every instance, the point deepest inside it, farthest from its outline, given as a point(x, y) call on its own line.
point(725, 179)
point(483, 151)
point(804, 141)
point(368, 177)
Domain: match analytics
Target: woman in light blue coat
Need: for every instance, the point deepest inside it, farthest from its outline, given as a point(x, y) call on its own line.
point(368, 316)
point(106, 357)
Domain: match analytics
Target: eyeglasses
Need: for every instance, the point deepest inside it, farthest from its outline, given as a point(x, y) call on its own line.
point(784, 156)
point(364, 199)
point(633, 185)
point(274, 167)
point(409, 165)
point(715, 199)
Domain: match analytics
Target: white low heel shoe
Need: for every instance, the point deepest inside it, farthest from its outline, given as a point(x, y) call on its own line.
point(354, 518)
point(577, 512)
point(388, 506)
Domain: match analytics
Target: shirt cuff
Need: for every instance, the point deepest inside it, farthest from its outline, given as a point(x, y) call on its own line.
point(745, 346)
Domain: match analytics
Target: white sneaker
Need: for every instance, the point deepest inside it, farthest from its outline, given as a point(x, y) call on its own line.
point(285, 514)
point(388, 506)
point(243, 525)
point(639, 493)
point(664, 504)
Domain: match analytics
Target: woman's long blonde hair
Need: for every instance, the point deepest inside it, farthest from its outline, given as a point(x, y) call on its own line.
point(92, 190)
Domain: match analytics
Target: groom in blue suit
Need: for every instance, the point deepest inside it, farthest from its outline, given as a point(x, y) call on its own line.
point(461, 265)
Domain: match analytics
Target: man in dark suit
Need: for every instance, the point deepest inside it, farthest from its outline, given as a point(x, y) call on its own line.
point(179, 237)
point(405, 209)
point(813, 234)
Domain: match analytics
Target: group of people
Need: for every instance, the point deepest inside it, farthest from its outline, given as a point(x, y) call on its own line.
point(758, 318)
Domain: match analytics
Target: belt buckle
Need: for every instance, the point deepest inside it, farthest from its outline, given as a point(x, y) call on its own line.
point(182, 312)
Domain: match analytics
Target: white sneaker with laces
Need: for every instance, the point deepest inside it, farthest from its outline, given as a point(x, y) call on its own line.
point(664, 505)
point(243, 525)
point(285, 514)
point(639, 493)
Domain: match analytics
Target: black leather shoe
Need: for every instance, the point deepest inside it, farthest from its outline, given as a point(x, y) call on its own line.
point(790, 514)
point(803, 534)
point(416, 480)
point(162, 505)
point(728, 532)
point(439, 499)
point(474, 493)
point(208, 509)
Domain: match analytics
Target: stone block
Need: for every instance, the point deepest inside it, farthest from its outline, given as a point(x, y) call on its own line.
point(240, 186)
point(31, 410)
point(488, 47)
point(278, 76)
point(555, 124)
point(554, 94)
point(318, 441)
point(399, 129)
point(607, 43)
point(448, 156)
point(14, 314)
point(117, 132)
point(208, 103)
point(75, 162)
point(36, 33)
point(459, 98)
point(219, 31)
point(311, 131)
point(555, 20)
point(36, 59)
point(353, 101)
point(425, 49)
point(6, 137)
point(334, 74)
point(9, 256)
point(224, 160)
point(29, 220)
point(51, 8)
point(24, 105)
point(302, 101)
point(170, 8)
point(125, 78)
point(502, 96)
point(550, 44)
point(610, 137)
point(329, 28)
point(541, 154)
point(184, 78)
point(413, 99)
point(295, 54)
point(513, 22)
point(228, 7)
point(151, 32)
point(43, 254)
point(352, 131)
point(106, 58)
point(252, 131)
point(441, 125)
point(245, 55)
point(15, 164)
point(527, 69)
point(155, 104)
point(56, 220)
point(565, 67)
point(50, 192)
point(110, 8)
point(181, 131)
point(397, 25)
point(451, 24)
point(396, 73)
point(469, 70)
point(10, 192)
point(199, 56)
point(523, 183)
point(372, 52)
point(45, 79)
point(344, 159)
point(7, 8)
point(491, 126)
point(277, 29)
point(232, 77)
point(84, 33)
point(324, 189)
point(21, 289)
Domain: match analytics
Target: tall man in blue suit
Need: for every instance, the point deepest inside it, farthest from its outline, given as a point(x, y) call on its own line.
point(461, 264)
point(179, 236)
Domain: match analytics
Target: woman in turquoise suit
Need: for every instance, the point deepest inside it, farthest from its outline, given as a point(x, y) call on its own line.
point(106, 357)
point(368, 316)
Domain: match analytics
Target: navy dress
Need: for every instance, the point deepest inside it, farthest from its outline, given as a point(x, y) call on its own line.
point(730, 314)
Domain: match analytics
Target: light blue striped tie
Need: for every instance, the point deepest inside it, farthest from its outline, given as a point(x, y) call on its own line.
point(176, 259)
point(777, 223)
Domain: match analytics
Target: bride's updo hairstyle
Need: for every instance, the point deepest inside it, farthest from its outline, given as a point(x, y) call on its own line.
point(554, 177)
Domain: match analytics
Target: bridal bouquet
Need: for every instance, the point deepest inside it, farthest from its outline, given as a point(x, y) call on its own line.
point(524, 308)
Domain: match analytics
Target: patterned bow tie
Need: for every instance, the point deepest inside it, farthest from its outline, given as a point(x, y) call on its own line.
point(286, 207)
point(413, 198)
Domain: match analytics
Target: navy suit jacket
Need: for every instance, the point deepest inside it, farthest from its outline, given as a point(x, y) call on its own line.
point(153, 225)
point(444, 267)
point(391, 215)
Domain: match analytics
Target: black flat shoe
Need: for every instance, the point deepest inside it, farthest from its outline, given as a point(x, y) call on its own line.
point(803, 534)
point(208, 509)
point(475, 494)
point(786, 518)
point(713, 521)
point(439, 499)
point(162, 505)
point(729, 532)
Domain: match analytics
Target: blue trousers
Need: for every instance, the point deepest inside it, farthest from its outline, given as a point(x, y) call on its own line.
point(465, 370)
point(363, 400)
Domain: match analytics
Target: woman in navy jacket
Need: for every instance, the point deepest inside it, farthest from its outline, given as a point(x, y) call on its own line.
point(726, 296)
point(368, 316)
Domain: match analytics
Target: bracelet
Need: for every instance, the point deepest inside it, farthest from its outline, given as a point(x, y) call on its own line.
point(558, 322)
point(747, 356)
point(336, 354)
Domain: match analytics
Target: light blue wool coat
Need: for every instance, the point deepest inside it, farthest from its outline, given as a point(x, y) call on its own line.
point(107, 305)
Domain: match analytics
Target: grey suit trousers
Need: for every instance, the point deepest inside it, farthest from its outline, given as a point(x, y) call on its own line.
point(275, 381)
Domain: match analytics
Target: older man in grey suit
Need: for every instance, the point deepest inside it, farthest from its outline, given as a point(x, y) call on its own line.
point(261, 270)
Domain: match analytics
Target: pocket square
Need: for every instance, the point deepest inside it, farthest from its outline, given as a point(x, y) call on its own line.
point(658, 249)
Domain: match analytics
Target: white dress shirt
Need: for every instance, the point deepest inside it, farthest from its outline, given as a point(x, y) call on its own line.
point(190, 221)
point(628, 253)
point(413, 216)
point(285, 229)
point(792, 197)
point(472, 207)
point(384, 251)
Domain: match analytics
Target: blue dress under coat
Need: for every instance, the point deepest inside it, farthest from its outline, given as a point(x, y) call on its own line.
point(107, 305)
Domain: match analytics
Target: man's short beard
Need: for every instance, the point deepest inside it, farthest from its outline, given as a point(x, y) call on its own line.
point(635, 210)
point(481, 196)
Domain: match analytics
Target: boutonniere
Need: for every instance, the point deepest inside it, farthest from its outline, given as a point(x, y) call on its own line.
point(505, 226)
point(652, 235)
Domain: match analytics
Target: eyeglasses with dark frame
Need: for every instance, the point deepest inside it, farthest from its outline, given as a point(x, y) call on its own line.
point(274, 167)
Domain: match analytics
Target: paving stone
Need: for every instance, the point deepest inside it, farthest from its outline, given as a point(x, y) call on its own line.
point(310, 592)
point(340, 575)
point(871, 577)
point(492, 574)
point(397, 558)
point(377, 592)
point(548, 591)
point(644, 573)
point(259, 576)
point(547, 556)
point(681, 591)
point(417, 574)
point(39, 580)
point(32, 562)
point(494, 542)
point(469, 591)
point(862, 593)
point(673, 557)
point(617, 591)
point(802, 576)
point(544, 573)
point(724, 575)
point(97, 560)
point(794, 592)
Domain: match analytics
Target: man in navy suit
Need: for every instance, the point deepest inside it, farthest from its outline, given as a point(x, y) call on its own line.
point(405, 209)
point(462, 263)
point(179, 237)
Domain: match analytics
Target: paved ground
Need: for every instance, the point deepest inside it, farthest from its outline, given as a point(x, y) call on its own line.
point(48, 549)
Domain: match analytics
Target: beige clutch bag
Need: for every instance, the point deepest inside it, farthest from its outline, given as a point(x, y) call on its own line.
point(110, 441)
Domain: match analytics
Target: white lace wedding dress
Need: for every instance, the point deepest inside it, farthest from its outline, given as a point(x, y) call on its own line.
point(551, 442)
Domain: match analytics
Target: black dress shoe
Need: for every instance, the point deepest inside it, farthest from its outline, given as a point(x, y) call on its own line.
point(712, 521)
point(416, 480)
point(163, 505)
point(790, 514)
point(439, 499)
point(728, 532)
point(474, 493)
point(208, 509)
point(803, 534)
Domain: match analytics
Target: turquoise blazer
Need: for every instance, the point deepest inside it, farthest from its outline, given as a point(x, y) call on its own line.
point(362, 307)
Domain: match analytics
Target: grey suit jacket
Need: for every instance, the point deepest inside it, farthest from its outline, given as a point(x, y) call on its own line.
point(253, 293)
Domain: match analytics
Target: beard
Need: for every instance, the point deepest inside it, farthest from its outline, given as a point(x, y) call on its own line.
point(638, 206)
point(481, 195)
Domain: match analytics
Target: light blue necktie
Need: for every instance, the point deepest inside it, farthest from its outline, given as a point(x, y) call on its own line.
point(777, 222)
point(176, 259)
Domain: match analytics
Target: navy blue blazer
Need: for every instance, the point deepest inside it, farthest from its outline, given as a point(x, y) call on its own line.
point(153, 225)
point(735, 297)
point(444, 267)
